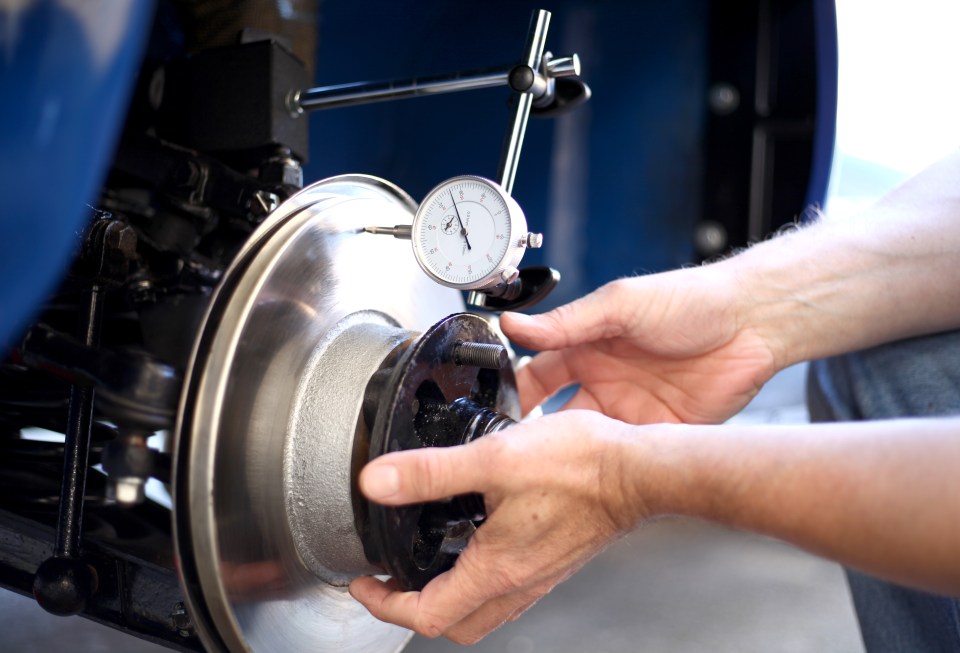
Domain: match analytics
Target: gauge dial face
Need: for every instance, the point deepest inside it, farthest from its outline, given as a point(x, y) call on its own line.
point(463, 229)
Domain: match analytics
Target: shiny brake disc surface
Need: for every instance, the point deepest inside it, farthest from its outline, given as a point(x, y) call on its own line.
point(260, 416)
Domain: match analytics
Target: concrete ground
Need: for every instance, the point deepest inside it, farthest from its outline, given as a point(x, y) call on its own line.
point(685, 587)
point(673, 587)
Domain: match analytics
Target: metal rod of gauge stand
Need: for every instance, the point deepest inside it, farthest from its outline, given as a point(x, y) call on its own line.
point(77, 441)
point(345, 95)
point(513, 141)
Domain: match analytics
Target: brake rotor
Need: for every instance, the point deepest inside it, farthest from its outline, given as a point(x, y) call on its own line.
point(270, 422)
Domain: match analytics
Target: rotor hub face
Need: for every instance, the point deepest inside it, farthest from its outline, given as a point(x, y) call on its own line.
point(431, 400)
point(270, 419)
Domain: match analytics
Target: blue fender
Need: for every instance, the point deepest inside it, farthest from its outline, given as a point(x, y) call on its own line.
point(66, 72)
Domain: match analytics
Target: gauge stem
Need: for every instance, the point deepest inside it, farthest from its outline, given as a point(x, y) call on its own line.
point(401, 231)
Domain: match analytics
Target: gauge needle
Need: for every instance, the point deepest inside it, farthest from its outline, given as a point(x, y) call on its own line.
point(463, 230)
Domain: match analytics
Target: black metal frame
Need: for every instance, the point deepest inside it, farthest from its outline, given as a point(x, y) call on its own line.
point(138, 588)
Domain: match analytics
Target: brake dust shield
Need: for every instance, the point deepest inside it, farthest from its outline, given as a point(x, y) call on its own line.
point(269, 419)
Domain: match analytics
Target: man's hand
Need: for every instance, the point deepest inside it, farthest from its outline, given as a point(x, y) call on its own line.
point(695, 346)
point(556, 495)
point(662, 348)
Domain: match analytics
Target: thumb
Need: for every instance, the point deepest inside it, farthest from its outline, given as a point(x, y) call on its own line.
point(592, 317)
point(424, 474)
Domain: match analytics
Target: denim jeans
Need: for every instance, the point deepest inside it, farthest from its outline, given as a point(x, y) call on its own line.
point(911, 378)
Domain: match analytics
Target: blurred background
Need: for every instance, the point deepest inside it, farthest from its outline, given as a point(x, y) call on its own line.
point(712, 124)
point(655, 171)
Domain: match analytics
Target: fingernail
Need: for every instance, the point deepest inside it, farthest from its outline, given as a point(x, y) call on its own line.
point(381, 482)
point(519, 317)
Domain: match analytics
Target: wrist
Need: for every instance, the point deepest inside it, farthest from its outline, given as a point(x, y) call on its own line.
point(657, 463)
point(785, 292)
point(842, 285)
point(686, 470)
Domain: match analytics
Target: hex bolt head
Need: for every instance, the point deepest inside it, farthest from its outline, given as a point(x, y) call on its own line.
point(181, 620)
point(263, 203)
point(122, 238)
point(475, 354)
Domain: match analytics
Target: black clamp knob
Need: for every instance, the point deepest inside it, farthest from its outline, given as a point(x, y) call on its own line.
point(530, 287)
point(556, 89)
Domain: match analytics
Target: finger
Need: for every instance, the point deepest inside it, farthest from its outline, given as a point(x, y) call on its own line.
point(388, 604)
point(541, 378)
point(592, 317)
point(491, 615)
point(445, 601)
point(427, 474)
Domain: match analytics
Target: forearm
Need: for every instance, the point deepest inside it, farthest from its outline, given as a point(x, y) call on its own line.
point(840, 285)
point(883, 497)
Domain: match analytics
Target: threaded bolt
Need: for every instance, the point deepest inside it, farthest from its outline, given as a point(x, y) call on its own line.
point(475, 354)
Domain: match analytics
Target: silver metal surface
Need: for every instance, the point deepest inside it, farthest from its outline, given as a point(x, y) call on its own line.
point(538, 73)
point(401, 231)
point(480, 354)
point(553, 69)
point(513, 142)
point(533, 240)
point(344, 95)
point(319, 452)
point(264, 202)
point(305, 291)
point(127, 491)
point(477, 298)
point(563, 66)
point(509, 274)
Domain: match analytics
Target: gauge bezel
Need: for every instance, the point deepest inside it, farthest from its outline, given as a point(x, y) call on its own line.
point(511, 256)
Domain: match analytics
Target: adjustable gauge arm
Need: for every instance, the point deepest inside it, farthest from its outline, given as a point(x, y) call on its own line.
point(543, 84)
point(553, 82)
point(523, 75)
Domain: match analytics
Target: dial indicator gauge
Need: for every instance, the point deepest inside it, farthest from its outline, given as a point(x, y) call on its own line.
point(468, 234)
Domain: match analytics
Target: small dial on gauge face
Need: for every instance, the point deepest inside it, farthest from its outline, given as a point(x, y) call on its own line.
point(463, 230)
point(449, 224)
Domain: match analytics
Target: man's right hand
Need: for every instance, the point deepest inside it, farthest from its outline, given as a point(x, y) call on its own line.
point(661, 348)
